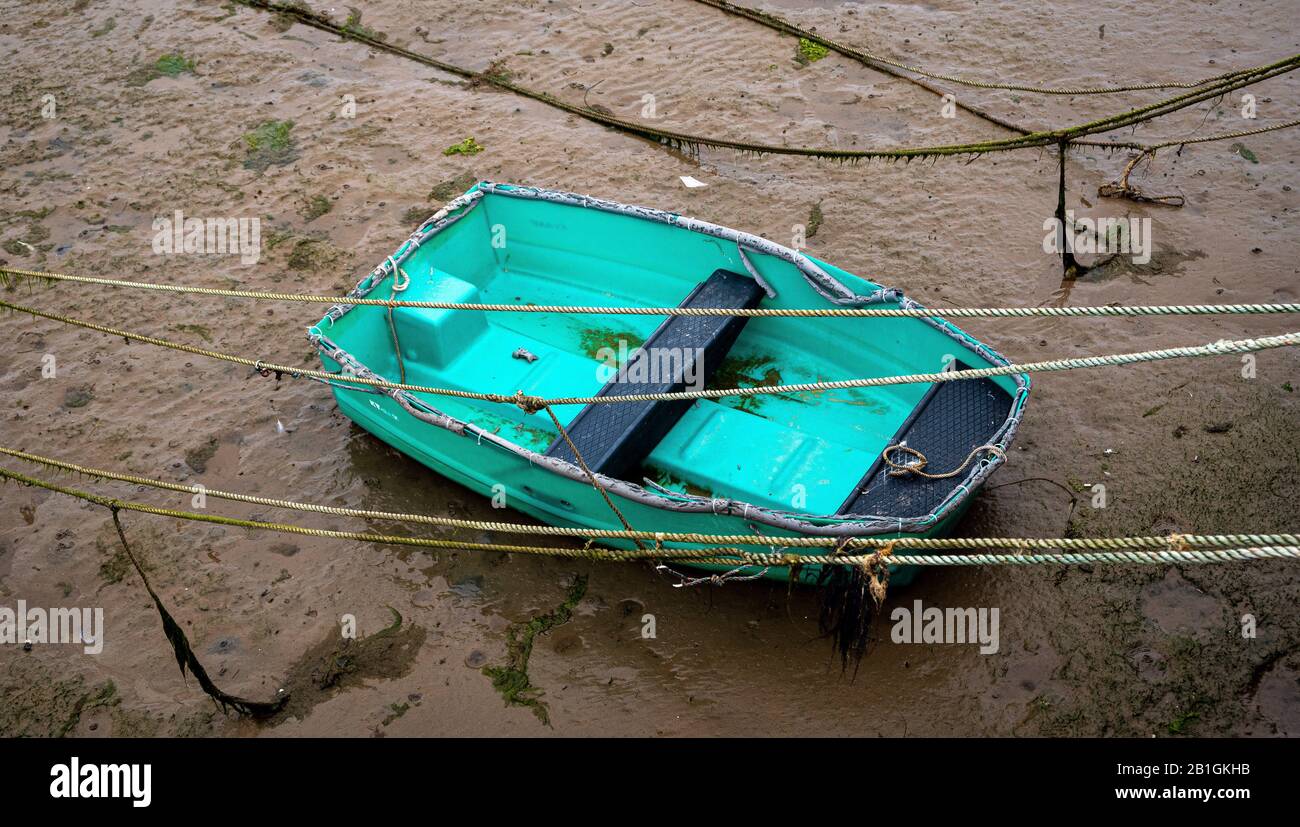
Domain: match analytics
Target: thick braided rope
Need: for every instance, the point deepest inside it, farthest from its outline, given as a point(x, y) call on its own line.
point(537, 403)
point(1234, 80)
point(1075, 134)
point(727, 556)
point(1214, 349)
point(260, 364)
point(1173, 541)
point(1084, 558)
point(595, 482)
point(864, 312)
point(594, 553)
point(782, 25)
point(1224, 136)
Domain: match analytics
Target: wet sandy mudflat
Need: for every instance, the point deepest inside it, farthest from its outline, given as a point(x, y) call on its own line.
point(1180, 446)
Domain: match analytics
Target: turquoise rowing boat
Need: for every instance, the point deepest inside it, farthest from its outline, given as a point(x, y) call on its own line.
point(776, 465)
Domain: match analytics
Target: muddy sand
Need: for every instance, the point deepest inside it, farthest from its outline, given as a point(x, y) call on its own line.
point(163, 106)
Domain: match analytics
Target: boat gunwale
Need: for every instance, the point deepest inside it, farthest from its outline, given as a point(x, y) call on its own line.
point(826, 285)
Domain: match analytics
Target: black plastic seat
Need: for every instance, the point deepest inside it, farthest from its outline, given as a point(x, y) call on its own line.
point(951, 420)
point(615, 438)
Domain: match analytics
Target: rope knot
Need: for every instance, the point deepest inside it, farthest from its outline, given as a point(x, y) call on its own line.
point(877, 572)
point(529, 404)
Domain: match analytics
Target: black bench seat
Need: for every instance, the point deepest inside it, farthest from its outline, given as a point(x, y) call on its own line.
point(951, 420)
point(614, 439)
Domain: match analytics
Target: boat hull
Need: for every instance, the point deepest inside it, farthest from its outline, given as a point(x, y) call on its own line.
point(558, 501)
point(775, 465)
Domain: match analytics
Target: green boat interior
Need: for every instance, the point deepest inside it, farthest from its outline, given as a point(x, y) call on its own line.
point(816, 453)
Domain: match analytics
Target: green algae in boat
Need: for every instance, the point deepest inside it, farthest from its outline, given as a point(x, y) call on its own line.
point(774, 464)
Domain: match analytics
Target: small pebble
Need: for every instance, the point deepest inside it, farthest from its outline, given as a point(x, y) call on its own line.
point(424, 598)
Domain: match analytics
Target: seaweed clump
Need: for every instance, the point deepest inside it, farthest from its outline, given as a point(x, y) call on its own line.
point(815, 219)
point(809, 51)
point(338, 663)
point(170, 65)
point(315, 206)
point(452, 187)
point(353, 27)
point(469, 146)
point(270, 144)
point(851, 597)
point(512, 679)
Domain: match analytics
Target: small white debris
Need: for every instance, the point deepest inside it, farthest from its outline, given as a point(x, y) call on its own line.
point(691, 183)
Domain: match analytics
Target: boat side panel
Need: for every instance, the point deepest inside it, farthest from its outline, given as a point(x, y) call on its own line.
point(529, 489)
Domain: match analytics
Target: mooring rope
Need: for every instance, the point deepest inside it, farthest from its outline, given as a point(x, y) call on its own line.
point(1020, 543)
point(593, 553)
point(785, 26)
point(1257, 308)
point(531, 404)
point(717, 555)
point(401, 281)
point(595, 482)
point(1112, 360)
point(1174, 541)
point(1214, 89)
point(1224, 136)
point(1240, 346)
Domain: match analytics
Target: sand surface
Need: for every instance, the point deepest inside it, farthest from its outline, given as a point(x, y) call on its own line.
point(1186, 446)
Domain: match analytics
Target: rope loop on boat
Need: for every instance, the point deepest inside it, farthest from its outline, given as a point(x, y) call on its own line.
point(920, 461)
